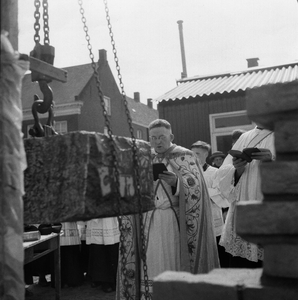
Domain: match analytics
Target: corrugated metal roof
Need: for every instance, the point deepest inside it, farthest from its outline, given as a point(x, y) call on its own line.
point(231, 82)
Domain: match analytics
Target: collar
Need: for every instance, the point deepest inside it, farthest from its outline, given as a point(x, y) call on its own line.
point(162, 155)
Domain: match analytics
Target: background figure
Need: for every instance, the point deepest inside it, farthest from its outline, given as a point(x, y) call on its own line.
point(102, 236)
point(179, 232)
point(71, 272)
point(84, 253)
point(241, 181)
point(236, 134)
point(217, 158)
point(202, 150)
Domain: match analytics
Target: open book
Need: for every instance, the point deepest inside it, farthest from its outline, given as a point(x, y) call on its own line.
point(245, 154)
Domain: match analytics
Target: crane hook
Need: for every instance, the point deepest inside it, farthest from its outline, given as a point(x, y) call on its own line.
point(42, 106)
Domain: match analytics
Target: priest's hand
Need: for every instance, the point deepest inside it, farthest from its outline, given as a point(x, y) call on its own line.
point(263, 155)
point(239, 164)
point(169, 177)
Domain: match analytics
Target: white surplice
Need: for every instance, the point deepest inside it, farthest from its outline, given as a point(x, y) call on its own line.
point(247, 188)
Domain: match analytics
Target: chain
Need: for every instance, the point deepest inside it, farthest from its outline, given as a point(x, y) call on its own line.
point(134, 150)
point(45, 17)
point(111, 143)
point(36, 24)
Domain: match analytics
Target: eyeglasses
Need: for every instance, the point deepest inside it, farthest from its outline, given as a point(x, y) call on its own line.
point(161, 137)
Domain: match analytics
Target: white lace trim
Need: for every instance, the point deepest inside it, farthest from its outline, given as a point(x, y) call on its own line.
point(236, 246)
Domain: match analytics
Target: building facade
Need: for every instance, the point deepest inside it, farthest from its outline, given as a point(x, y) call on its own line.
point(78, 107)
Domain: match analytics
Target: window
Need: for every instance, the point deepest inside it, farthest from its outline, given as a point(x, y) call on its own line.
point(222, 125)
point(107, 101)
point(61, 126)
point(139, 134)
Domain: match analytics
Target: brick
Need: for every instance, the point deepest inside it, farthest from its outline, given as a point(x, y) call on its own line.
point(219, 284)
point(267, 218)
point(278, 292)
point(279, 177)
point(281, 260)
point(286, 136)
point(271, 103)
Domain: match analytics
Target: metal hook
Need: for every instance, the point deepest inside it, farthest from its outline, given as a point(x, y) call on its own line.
point(42, 106)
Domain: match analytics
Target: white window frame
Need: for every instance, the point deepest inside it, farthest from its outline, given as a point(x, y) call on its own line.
point(139, 134)
point(57, 124)
point(215, 132)
point(60, 124)
point(107, 101)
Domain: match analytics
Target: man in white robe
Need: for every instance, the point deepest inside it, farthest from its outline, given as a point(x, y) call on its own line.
point(179, 232)
point(218, 202)
point(241, 181)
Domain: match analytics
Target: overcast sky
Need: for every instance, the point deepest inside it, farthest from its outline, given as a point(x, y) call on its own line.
point(219, 35)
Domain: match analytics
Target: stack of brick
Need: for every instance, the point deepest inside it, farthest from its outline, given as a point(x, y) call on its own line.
point(272, 223)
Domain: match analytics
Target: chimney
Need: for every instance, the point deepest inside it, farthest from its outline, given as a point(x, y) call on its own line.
point(252, 62)
point(149, 102)
point(102, 56)
point(184, 72)
point(136, 96)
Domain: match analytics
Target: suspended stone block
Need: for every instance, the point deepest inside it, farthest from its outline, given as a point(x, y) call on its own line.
point(71, 177)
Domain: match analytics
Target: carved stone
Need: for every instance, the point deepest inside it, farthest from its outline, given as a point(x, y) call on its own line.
point(71, 177)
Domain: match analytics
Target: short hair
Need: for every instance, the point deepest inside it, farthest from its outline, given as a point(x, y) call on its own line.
point(236, 134)
point(201, 144)
point(160, 123)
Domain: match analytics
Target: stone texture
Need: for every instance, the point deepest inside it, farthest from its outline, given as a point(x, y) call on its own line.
point(219, 284)
point(71, 177)
point(281, 261)
point(267, 218)
point(12, 164)
point(272, 103)
point(279, 177)
point(286, 136)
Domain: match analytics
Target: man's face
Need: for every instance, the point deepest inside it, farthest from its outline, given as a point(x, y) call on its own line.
point(201, 154)
point(160, 139)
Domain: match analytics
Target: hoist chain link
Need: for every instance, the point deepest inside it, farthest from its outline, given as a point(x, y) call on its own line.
point(102, 102)
point(111, 141)
point(36, 24)
point(135, 152)
point(45, 17)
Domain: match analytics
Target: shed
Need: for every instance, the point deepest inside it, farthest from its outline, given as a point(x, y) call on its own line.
point(209, 108)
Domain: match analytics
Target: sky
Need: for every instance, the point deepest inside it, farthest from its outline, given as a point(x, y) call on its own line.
point(219, 35)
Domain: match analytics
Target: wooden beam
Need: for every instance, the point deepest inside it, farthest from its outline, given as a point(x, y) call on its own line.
point(47, 69)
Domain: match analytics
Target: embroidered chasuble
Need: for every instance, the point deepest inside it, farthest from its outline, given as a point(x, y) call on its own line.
point(179, 232)
point(247, 188)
